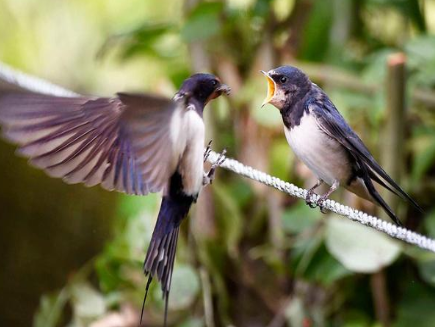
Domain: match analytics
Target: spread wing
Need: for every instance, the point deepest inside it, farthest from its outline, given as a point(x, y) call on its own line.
point(123, 143)
point(334, 125)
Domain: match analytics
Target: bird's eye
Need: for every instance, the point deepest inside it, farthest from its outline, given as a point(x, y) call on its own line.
point(283, 79)
point(214, 82)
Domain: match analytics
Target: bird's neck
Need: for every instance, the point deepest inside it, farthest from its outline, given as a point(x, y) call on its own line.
point(293, 111)
point(198, 105)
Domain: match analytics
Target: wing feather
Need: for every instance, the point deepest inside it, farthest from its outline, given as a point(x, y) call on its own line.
point(334, 125)
point(123, 143)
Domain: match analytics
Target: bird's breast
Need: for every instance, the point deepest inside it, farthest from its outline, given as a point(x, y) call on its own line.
point(325, 157)
point(191, 164)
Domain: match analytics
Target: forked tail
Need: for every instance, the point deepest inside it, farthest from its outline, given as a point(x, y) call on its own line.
point(159, 261)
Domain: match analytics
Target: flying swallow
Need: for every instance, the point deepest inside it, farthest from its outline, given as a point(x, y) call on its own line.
point(132, 143)
point(322, 139)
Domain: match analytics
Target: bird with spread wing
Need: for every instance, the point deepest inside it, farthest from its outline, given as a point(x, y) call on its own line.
point(132, 143)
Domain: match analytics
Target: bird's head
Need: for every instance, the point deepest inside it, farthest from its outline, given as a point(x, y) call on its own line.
point(202, 88)
point(285, 86)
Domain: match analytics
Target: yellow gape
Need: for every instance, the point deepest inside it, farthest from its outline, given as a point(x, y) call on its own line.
point(270, 89)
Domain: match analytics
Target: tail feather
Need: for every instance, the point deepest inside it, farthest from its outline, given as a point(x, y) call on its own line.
point(159, 261)
point(379, 200)
point(166, 275)
point(150, 279)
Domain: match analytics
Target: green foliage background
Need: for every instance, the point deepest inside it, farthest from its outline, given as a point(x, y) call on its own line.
point(247, 256)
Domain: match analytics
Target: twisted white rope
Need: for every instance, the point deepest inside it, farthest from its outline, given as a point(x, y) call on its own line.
point(348, 212)
point(30, 83)
point(34, 84)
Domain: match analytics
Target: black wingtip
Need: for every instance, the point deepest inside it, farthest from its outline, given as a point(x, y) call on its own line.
point(395, 219)
point(394, 187)
point(150, 278)
point(386, 208)
point(379, 200)
point(415, 205)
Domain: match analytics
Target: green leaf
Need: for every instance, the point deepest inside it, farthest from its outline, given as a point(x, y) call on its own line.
point(299, 218)
point(421, 59)
point(241, 191)
point(316, 34)
point(231, 217)
point(143, 40)
point(359, 248)
point(193, 322)
point(132, 206)
point(429, 224)
point(203, 22)
point(87, 302)
point(420, 50)
point(408, 8)
point(354, 318)
point(184, 287)
point(423, 159)
point(376, 68)
point(50, 309)
point(425, 259)
point(128, 248)
point(150, 32)
point(324, 268)
point(304, 251)
point(427, 270)
point(267, 116)
point(261, 7)
point(280, 158)
point(416, 307)
point(295, 312)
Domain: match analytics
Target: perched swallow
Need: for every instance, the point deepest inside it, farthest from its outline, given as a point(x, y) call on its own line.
point(321, 138)
point(132, 143)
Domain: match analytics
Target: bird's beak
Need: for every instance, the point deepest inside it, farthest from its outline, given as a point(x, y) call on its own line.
point(219, 91)
point(271, 87)
point(224, 89)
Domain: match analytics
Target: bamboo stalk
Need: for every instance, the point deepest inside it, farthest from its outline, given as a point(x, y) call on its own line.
point(380, 296)
point(393, 136)
point(392, 161)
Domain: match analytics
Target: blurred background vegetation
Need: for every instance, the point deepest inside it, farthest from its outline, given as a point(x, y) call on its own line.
point(248, 255)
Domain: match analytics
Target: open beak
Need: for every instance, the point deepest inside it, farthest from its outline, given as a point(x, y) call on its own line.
point(271, 87)
point(224, 89)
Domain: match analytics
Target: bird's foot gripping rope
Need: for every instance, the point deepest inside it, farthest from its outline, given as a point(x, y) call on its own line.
point(312, 203)
point(363, 218)
point(209, 177)
point(207, 150)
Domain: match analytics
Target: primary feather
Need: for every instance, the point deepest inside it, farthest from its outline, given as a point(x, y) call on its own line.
point(334, 125)
point(122, 143)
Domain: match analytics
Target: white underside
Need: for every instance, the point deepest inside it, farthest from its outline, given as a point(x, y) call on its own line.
point(189, 141)
point(324, 156)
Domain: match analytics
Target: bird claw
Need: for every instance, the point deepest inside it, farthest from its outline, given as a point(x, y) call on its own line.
point(308, 201)
point(207, 151)
point(221, 158)
point(209, 177)
point(321, 204)
point(312, 204)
